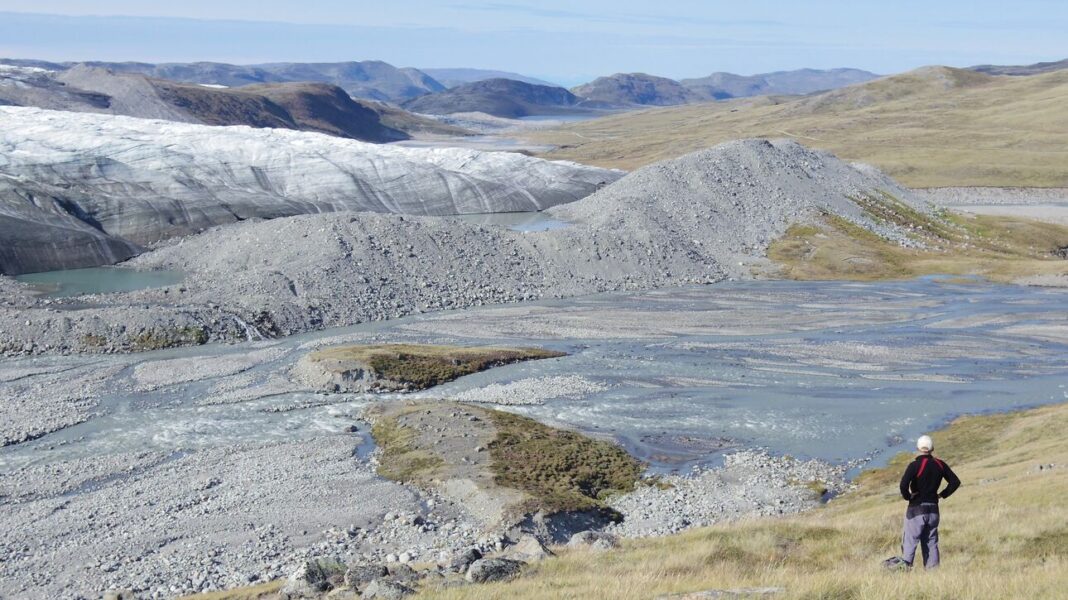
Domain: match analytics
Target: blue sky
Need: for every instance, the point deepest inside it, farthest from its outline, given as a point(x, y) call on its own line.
point(563, 41)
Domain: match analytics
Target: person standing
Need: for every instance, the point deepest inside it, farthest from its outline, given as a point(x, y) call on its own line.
point(919, 485)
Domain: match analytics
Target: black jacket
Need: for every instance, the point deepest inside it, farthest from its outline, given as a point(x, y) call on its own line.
point(922, 478)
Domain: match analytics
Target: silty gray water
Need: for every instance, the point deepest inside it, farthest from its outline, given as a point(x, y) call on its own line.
point(830, 370)
point(98, 280)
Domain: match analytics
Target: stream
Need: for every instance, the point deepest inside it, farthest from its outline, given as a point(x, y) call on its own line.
point(837, 371)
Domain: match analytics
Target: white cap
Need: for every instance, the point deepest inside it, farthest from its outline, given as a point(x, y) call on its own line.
point(925, 443)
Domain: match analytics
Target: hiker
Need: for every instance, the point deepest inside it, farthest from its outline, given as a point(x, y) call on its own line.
point(919, 485)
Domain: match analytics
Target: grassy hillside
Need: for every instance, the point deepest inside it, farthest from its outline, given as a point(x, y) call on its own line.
point(1004, 535)
point(999, 248)
point(929, 128)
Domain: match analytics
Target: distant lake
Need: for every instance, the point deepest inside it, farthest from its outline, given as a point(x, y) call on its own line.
point(98, 280)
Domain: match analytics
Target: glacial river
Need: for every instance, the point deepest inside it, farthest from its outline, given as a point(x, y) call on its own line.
point(831, 370)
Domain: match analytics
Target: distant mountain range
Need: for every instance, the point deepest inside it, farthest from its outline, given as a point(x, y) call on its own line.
point(374, 80)
point(1022, 70)
point(318, 107)
point(624, 90)
point(510, 98)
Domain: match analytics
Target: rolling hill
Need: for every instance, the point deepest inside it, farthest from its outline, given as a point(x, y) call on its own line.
point(721, 86)
point(932, 127)
point(498, 97)
point(625, 90)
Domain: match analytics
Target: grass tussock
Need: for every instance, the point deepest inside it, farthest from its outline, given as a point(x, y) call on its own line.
point(561, 470)
point(1003, 535)
point(423, 365)
point(996, 247)
point(402, 460)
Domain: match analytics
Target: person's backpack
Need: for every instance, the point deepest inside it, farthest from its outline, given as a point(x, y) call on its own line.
point(895, 563)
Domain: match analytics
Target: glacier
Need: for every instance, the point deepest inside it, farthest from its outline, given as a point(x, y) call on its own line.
point(80, 189)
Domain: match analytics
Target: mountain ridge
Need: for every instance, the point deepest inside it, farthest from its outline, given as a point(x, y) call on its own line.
point(505, 98)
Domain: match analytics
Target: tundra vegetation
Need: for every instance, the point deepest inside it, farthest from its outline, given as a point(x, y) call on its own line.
point(1000, 248)
point(1003, 535)
point(553, 469)
point(421, 366)
point(933, 127)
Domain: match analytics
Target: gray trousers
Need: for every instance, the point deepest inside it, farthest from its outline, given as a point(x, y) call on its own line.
point(921, 529)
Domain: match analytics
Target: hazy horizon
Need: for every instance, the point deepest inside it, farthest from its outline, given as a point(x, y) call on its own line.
point(566, 43)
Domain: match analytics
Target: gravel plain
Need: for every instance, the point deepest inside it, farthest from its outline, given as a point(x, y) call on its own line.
point(750, 483)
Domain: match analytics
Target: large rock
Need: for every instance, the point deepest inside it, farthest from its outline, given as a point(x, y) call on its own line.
point(313, 578)
point(358, 576)
point(558, 528)
point(463, 560)
point(384, 589)
point(116, 183)
point(487, 570)
point(528, 549)
point(594, 540)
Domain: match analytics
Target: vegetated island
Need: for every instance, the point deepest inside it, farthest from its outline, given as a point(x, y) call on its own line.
point(403, 367)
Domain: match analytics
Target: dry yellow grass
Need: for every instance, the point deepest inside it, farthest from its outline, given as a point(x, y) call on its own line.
point(994, 247)
point(1004, 535)
point(933, 127)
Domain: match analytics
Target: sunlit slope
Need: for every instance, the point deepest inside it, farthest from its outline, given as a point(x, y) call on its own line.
point(1004, 535)
point(932, 127)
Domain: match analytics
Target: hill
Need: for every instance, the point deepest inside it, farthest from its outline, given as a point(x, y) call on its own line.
point(624, 90)
point(374, 80)
point(721, 86)
point(1022, 70)
point(931, 127)
point(498, 97)
point(302, 106)
point(458, 76)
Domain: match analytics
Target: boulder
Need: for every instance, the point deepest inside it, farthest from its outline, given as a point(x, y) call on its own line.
point(464, 560)
point(594, 540)
point(358, 576)
point(313, 578)
point(486, 570)
point(385, 589)
point(528, 549)
point(557, 528)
